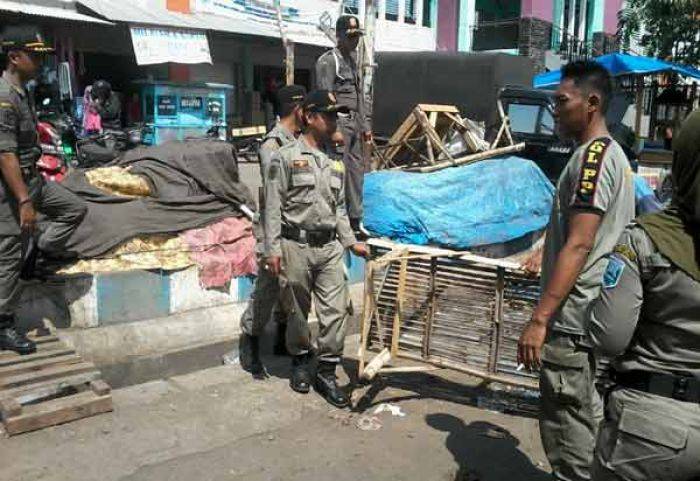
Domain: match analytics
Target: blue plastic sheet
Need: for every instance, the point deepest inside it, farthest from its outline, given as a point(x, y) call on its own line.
point(485, 203)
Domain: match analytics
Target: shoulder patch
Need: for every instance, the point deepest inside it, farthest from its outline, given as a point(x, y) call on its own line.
point(613, 272)
point(300, 163)
point(338, 166)
point(590, 171)
point(625, 251)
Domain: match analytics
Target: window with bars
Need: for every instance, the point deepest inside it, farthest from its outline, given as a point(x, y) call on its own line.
point(351, 7)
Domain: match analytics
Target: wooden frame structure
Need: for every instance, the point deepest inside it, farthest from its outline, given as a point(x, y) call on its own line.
point(52, 386)
point(445, 309)
point(419, 144)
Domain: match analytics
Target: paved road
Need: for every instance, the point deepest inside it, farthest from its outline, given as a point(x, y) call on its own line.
point(218, 424)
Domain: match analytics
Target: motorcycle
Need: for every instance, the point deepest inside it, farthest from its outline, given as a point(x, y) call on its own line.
point(101, 149)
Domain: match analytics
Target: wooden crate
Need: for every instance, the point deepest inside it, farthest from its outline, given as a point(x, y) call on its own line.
point(448, 309)
point(52, 386)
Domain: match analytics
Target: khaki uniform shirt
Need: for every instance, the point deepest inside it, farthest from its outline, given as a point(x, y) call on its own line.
point(340, 75)
point(306, 190)
point(276, 138)
point(18, 135)
point(598, 179)
point(648, 312)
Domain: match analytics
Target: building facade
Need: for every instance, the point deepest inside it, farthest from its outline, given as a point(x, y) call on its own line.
point(552, 32)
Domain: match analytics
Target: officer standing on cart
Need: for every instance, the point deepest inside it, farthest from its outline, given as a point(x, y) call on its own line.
point(338, 72)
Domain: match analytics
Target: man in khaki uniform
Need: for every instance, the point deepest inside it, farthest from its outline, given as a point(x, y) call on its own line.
point(593, 204)
point(24, 195)
point(306, 233)
point(263, 303)
point(648, 318)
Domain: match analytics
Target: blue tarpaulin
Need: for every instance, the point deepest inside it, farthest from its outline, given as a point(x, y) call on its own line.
point(485, 203)
point(622, 64)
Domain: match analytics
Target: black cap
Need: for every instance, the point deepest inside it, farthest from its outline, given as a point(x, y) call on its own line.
point(323, 101)
point(348, 25)
point(23, 37)
point(291, 94)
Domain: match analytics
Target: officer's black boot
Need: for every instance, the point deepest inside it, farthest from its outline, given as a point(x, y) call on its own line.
point(280, 348)
point(12, 340)
point(249, 347)
point(327, 385)
point(301, 377)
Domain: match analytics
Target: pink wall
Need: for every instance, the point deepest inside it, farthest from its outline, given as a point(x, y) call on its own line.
point(612, 7)
point(448, 14)
point(542, 9)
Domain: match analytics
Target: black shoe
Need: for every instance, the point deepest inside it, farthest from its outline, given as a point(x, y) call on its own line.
point(12, 340)
point(280, 348)
point(249, 352)
point(327, 386)
point(301, 377)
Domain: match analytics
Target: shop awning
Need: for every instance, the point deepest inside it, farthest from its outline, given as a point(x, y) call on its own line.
point(25, 8)
point(221, 21)
point(131, 12)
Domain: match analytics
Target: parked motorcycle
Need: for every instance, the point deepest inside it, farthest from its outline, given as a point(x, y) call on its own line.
point(101, 149)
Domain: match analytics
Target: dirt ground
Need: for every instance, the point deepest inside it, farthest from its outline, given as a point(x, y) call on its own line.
point(219, 424)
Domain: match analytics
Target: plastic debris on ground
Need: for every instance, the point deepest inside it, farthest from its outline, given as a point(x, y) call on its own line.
point(488, 202)
point(391, 408)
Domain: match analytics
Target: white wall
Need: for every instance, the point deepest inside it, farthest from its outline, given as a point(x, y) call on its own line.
point(395, 36)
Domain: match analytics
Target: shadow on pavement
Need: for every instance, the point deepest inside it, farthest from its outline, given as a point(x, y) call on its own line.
point(484, 451)
point(431, 386)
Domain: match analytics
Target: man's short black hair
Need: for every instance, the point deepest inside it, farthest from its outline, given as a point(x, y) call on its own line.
point(592, 77)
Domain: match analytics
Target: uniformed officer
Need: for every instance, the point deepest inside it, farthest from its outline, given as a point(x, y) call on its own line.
point(306, 232)
point(593, 203)
point(648, 318)
point(23, 191)
point(263, 303)
point(338, 72)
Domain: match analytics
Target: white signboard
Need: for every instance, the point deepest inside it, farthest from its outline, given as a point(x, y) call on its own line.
point(300, 18)
point(154, 45)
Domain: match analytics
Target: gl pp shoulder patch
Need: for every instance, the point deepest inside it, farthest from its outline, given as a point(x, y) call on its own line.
point(338, 166)
point(590, 171)
point(613, 272)
point(626, 251)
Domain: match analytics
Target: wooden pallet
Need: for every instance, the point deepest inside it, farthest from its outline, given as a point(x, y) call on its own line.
point(52, 386)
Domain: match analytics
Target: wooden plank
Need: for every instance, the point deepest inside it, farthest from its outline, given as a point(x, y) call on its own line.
point(9, 407)
point(396, 327)
point(438, 108)
point(37, 391)
point(497, 320)
point(433, 118)
point(432, 308)
point(58, 411)
point(100, 387)
point(404, 131)
point(470, 158)
point(248, 131)
point(32, 366)
point(367, 312)
point(49, 373)
point(430, 132)
point(58, 350)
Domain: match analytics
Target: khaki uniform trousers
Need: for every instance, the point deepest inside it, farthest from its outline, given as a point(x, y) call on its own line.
point(571, 408)
point(646, 437)
point(316, 273)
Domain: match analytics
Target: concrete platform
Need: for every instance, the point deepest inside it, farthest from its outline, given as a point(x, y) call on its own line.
point(142, 325)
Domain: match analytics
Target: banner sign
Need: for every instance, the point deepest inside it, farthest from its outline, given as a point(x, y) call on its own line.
point(300, 18)
point(153, 45)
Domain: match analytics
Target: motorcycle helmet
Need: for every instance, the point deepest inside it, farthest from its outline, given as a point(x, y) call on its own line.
point(102, 90)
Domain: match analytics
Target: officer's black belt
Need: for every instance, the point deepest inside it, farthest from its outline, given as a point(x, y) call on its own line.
point(681, 388)
point(314, 238)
